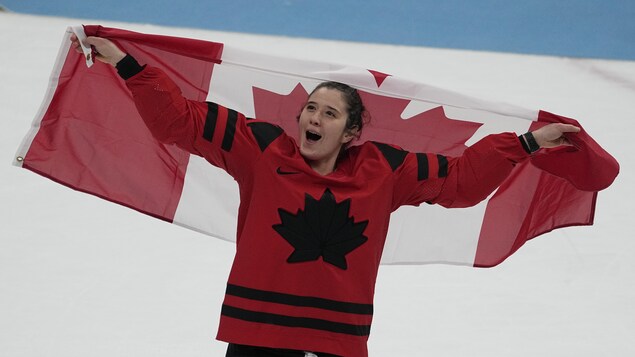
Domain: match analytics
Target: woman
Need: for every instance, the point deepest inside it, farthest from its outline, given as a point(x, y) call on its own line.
point(314, 213)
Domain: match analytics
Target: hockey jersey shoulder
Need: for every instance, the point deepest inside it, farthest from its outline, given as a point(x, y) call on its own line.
point(264, 133)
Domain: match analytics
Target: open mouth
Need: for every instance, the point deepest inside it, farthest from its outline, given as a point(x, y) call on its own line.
point(312, 136)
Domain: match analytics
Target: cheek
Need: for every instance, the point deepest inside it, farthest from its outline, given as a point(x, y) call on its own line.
point(302, 117)
point(340, 129)
point(301, 120)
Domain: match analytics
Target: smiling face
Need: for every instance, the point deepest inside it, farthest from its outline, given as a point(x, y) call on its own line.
point(323, 130)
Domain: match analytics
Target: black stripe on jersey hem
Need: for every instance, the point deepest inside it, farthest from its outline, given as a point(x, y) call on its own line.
point(298, 300)
point(292, 321)
point(443, 165)
point(394, 156)
point(422, 167)
point(230, 130)
point(265, 133)
point(210, 121)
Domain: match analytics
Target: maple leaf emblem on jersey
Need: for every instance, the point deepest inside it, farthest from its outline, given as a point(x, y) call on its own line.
point(324, 229)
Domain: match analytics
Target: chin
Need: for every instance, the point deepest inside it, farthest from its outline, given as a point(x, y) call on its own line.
point(307, 154)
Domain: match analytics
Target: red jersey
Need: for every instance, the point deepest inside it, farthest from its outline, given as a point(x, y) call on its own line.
point(308, 246)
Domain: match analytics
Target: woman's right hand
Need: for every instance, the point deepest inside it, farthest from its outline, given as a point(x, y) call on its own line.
point(106, 50)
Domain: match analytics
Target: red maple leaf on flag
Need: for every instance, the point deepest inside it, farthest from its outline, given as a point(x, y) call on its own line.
point(429, 131)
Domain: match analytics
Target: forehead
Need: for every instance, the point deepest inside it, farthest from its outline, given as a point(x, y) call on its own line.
point(328, 97)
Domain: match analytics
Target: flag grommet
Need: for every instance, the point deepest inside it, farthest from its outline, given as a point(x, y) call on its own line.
point(19, 159)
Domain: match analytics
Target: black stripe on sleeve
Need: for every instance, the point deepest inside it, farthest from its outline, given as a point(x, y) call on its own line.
point(230, 130)
point(443, 165)
point(291, 321)
point(297, 300)
point(210, 121)
point(422, 167)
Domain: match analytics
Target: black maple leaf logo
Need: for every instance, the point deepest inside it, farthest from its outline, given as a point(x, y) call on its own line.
point(323, 229)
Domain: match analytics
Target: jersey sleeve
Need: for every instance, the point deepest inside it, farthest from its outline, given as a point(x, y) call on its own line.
point(224, 137)
point(457, 181)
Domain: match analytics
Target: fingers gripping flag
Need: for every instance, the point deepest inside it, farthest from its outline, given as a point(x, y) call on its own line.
point(89, 136)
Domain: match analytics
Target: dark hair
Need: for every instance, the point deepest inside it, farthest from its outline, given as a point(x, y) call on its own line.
point(357, 114)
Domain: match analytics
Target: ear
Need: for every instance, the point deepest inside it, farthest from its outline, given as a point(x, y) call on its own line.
point(350, 134)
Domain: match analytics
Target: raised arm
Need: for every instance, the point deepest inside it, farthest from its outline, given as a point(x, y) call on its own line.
point(219, 134)
point(468, 179)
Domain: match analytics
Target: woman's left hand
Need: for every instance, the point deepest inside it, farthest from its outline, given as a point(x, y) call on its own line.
point(552, 135)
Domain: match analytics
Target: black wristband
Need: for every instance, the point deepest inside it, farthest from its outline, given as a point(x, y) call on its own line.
point(128, 67)
point(529, 143)
point(524, 144)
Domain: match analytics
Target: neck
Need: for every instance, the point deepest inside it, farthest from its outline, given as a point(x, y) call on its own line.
point(323, 167)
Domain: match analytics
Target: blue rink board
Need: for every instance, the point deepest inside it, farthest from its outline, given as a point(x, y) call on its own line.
point(573, 28)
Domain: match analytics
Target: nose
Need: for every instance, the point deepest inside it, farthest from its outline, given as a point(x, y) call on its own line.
point(314, 119)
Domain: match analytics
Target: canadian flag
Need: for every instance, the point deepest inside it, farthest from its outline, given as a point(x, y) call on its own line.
point(89, 136)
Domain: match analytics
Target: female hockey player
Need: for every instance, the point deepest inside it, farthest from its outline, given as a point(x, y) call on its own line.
point(313, 213)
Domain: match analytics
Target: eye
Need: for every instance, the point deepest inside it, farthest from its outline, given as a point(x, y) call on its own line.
point(310, 107)
point(330, 113)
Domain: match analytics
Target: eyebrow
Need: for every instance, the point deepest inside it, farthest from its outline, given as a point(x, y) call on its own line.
point(328, 106)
